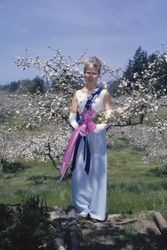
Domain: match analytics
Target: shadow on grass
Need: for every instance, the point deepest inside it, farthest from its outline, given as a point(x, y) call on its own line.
point(115, 238)
point(42, 179)
point(118, 143)
point(92, 236)
point(25, 226)
point(13, 167)
point(159, 171)
point(5, 216)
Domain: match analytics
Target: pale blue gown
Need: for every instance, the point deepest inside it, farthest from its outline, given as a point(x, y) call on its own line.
point(89, 191)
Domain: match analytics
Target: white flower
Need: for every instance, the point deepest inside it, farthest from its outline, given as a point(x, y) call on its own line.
point(124, 83)
point(135, 75)
point(156, 107)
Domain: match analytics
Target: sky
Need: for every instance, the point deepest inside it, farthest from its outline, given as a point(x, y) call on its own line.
point(109, 29)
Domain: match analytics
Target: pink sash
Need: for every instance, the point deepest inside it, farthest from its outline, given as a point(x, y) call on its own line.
point(87, 127)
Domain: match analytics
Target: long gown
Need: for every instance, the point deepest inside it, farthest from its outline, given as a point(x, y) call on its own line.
point(89, 191)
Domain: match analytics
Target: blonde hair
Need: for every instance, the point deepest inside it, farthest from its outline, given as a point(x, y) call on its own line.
point(93, 61)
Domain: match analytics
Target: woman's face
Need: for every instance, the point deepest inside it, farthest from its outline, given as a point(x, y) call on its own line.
point(91, 75)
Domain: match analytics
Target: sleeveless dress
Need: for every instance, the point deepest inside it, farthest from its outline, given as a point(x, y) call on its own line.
point(89, 190)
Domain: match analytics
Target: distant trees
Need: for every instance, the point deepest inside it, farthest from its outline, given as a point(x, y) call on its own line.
point(12, 87)
point(148, 70)
point(113, 88)
point(136, 65)
point(25, 86)
point(32, 86)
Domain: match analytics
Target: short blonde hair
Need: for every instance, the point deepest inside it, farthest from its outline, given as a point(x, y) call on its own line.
point(93, 61)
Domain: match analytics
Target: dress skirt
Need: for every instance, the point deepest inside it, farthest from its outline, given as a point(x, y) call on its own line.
point(89, 190)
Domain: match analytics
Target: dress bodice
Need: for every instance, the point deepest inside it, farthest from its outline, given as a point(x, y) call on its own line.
point(97, 104)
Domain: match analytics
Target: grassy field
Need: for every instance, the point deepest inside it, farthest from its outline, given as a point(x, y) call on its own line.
point(133, 186)
point(162, 112)
point(34, 178)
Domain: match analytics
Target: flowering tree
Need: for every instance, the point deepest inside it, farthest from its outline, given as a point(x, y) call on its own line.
point(143, 100)
point(140, 95)
point(64, 75)
point(144, 90)
point(62, 71)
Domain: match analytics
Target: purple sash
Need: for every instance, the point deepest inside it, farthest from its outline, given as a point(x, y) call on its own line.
point(87, 127)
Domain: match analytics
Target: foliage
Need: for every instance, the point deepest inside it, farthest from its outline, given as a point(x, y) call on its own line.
point(10, 118)
point(32, 86)
point(13, 86)
point(36, 85)
point(113, 88)
point(28, 228)
point(137, 65)
point(4, 116)
point(138, 82)
point(149, 71)
point(142, 84)
point(159, 171)
point(12, 167)
point(7, 116)
point(63, 72)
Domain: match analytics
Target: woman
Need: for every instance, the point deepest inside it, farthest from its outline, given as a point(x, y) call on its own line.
point(89, 186)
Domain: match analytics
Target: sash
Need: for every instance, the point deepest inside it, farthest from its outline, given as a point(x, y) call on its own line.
point(88, 104)
point(87, 125)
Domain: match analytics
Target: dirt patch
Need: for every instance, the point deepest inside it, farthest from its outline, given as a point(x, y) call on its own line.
point(115, 233)
point(138, 234)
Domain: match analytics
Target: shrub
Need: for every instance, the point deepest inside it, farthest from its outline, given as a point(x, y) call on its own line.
point(29, 227)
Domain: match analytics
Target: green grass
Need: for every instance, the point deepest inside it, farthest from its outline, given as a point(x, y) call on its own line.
point(37, 178)
point(11, 119)
point(133, 186)
point(162, 112)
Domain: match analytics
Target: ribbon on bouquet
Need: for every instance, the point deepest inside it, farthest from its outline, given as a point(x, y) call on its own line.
point(84, 129)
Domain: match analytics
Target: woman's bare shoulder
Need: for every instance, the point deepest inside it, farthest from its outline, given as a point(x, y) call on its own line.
point(105, 92)
point(77, 93)
point(80, 91)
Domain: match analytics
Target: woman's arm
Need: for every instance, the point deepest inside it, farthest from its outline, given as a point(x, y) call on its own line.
point(73, 112)
point(74, 104)
point(107, 101)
